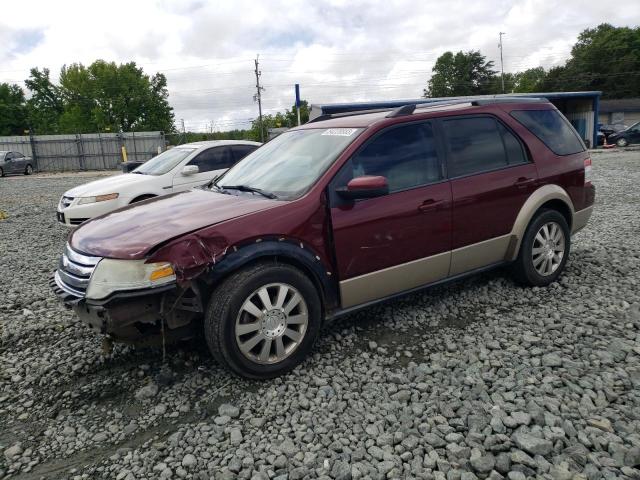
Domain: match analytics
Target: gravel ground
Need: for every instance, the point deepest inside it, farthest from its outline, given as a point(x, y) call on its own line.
point(477, 379)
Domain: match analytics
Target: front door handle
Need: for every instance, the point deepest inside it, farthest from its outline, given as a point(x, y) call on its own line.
point(430, 204)
point(524, 182)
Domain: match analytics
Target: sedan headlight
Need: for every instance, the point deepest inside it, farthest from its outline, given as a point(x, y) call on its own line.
point(115, 275)
point(98, 198)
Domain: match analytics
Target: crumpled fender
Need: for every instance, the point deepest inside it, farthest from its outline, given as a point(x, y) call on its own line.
point(212, 260)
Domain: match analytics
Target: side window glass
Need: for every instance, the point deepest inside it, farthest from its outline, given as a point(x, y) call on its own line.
point(552, 128)
point(213, 159)
point(473, 145)
point(406, 156)
point(9, 156)
point(18, 155)
point(515, 152)
point(241, 151)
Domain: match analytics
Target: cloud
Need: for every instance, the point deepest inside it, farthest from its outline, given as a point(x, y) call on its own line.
point(337, 50)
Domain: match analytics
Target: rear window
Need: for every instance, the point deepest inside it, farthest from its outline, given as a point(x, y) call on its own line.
point(552, 129)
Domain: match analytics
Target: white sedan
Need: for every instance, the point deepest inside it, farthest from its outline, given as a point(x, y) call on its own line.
point(174, 170)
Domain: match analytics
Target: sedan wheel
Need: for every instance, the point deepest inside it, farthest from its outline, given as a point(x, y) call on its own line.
point(272, 323)
point(28, 170)
point(548, 249)
point(622, 142)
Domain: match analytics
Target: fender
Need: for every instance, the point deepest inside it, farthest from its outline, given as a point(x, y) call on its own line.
point(538, 198)
point(288, 251)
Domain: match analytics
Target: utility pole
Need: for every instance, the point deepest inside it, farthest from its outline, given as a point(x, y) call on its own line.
point(258, 97)
point(501, 62)
point(298, 101)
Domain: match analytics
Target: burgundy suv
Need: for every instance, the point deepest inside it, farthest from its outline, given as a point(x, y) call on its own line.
point(330, 217)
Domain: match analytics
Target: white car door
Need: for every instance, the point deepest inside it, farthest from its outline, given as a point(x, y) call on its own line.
point(210, 162)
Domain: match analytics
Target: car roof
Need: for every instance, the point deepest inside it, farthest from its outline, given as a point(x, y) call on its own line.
point(213, 143)
point(363, 120)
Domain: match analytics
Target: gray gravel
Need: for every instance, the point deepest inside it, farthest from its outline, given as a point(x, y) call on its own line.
point(476, 379)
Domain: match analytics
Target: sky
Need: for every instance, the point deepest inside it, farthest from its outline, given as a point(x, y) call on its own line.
point(337, 50)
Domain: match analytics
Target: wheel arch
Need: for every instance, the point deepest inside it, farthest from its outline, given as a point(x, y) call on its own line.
point(279, 251)
point(548, 196)
point(144, 196)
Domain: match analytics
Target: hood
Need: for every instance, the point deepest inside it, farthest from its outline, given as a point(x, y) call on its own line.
point(107, 185)
point(130, 232)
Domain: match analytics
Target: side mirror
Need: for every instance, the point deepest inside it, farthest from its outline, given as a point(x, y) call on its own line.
point(368, 186)
point(190, 170)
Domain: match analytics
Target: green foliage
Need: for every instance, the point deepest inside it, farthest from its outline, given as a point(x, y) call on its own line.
point(13, 110)
point(45, 106)
point(605, 58)
point(286, 119)
point(461, 74)
point(531, 80)
point(101, 97)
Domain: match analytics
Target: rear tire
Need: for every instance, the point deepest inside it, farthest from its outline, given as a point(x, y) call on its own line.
point(257, 338)
point(1, 172)
point(544, 249)
point(622, 142)
point(28, 170)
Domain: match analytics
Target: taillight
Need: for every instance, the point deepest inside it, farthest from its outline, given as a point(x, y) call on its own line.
point(587, 171)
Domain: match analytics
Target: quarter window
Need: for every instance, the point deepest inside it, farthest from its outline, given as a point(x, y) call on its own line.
point(213, 159)
point(405, 155)
point(552, 129)
point(513, 147)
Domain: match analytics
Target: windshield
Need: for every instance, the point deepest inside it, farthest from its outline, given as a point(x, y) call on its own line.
point(290, 164)
point(164, 162)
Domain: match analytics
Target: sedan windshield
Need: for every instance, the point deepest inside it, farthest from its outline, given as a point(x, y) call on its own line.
point(164, 162)
point(290, 164)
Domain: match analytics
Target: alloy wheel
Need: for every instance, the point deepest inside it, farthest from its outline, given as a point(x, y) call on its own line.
point(272, 323)
point(548, 249)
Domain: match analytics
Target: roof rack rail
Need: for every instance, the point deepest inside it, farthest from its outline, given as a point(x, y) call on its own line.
point(410, 108)
point(402, 111)
point(352, 113)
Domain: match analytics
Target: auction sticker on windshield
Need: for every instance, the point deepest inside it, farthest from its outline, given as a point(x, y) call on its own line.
point(340, 132)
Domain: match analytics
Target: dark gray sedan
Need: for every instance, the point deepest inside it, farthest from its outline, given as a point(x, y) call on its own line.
point(15, 162)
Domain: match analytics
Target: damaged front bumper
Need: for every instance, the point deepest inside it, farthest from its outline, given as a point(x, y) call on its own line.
point(141, 317)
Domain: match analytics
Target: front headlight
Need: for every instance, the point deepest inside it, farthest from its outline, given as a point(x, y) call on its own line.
point(115, 275)
point(98, 198)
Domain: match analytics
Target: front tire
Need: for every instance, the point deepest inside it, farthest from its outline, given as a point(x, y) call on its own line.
point(622, 142)
point(544, 250)
point(28, 170)
point(262, 321)
point(1, 172)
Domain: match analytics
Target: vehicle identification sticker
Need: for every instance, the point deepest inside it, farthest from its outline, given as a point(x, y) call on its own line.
point(340, 132)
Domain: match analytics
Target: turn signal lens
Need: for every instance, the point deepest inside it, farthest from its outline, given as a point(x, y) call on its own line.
point(104, 198)
point(162, 272)
point(587, 171)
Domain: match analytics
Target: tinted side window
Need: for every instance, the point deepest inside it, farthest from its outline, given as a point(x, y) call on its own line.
point(213, 159)
point(552, 129)
point(17, 155)
point(241, 151)
point(405, 155)
point(515, 152)
point(473, 145)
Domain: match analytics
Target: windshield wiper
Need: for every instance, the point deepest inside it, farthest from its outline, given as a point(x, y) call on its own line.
point(139, 173)
point(246, 188)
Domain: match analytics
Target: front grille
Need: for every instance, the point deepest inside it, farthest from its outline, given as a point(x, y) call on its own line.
point(74, 272)
point(77, 221)
point(65, 202)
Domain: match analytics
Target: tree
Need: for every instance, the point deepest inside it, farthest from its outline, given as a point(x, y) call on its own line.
point(13, 110)
point(605, 58)
point(531, 80)
point(45, 106)
point(286, 119)
point(460, 75)
point(106, 96)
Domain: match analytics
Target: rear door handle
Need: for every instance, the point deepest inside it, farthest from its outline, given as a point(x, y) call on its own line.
point(430, 204)
point(524, 182)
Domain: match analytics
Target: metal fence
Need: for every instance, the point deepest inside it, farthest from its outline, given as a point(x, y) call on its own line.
point(87, 151)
